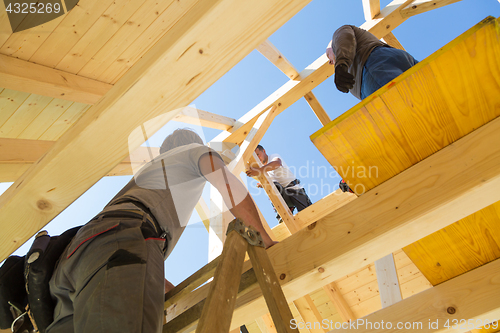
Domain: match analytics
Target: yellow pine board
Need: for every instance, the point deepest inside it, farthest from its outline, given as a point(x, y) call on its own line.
point(124, 37)
point(433, 104)
point(72, 28)
point(23, 44)
point(10, 101)
point(24, 115)
point(64, 122)
point(153, 33)
point(466, 244)
point(101, 31)
point(55, 109)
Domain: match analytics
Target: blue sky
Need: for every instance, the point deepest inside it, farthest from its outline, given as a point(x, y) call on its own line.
point(301, 40)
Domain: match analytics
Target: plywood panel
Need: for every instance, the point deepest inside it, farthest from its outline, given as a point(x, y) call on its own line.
point(460, 247)
point(433, 104)
point(24, 115)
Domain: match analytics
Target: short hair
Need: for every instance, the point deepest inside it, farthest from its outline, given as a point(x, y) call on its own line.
point(180, 137)
point(259, 147)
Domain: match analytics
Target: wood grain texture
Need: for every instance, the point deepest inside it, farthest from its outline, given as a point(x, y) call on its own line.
point(16, 74)
point(449, 185)
point(145, 87)
point(460, 247)
point(430, 106)
point(473, 295)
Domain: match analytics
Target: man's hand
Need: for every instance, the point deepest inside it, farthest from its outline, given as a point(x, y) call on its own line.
point(253, 172)
point(343, 79)
point(330, 55)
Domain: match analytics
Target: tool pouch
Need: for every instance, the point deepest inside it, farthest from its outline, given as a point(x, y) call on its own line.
point(39, 266)
point(12, 291)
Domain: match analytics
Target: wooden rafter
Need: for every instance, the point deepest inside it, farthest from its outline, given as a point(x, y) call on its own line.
point(17, 155)
point(314, 74)
point(50, 186)
point(202, 118)
point(473, 295)
point(268, 50)
point(29, 77)
point(456, 181)
point(371, 8)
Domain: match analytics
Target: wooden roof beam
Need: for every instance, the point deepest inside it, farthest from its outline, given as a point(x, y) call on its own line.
point(202, 118)
point(314, 74)
point(204, 44)
point(268, 50)
point(473, 295)
point(17, 155)
point(371, 8)
point(21, 75)
point(456, 181)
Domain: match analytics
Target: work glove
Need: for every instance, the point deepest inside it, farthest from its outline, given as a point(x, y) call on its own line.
point(343, 79)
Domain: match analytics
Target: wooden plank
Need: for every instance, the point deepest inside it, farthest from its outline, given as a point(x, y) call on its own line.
point(473, 295)
point(426, 108)
point(323, 207)
point(155, 31)
point(198, 117)
point(17, 155)
point(24, 115)
point(5, 27)
point(10, 101)
point(339, 302)
point(310, 314)
point(23, 44)
point(492, 327)
point(271, 290)
point(393, 41)
point(268, 50)
point(114, 17)
point(25, 76)
point(422, 6)
point(452, 183)
point(281, 232)
point(55, 109)
point(71, 29)
point(371, 8)
point(387, 279)
point(219, 305)
point(65, 121)
point(318, 110)
point(146, 88)
point(266, 324)
point(460, 247)
point(129, 33)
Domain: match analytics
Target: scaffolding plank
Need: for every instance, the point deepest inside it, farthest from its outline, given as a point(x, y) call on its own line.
point(446, 96)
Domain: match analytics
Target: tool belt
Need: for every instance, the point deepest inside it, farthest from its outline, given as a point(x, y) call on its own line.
point(24, 284)
point(150, 227)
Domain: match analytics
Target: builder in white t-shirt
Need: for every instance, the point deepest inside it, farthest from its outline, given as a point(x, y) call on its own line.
point(287, 184)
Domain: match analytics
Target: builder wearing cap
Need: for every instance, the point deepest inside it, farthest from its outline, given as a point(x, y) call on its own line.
point(363, 63)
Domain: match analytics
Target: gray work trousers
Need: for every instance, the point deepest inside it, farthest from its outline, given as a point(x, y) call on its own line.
point(109, 279)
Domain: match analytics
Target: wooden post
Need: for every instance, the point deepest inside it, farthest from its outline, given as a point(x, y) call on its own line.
point(271, 289)
point(387, 278)
point(222, 295)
